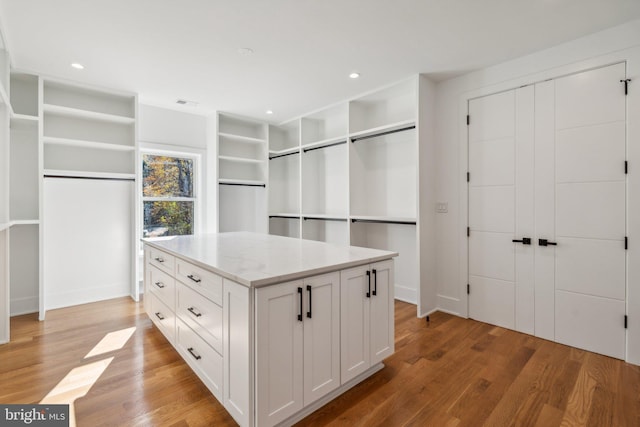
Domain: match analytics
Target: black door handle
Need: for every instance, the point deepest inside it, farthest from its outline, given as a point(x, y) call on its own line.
point(309, 312)
point(300, 312)
point(375, 282)
point(545, 242)
point(369, 278)
point(524, 241)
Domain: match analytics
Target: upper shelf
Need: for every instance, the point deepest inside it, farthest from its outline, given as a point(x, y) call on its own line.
point(86, 114)
point(239, 159)
point(87, 144)
point(241, 138)
point(383, 130)
point(325, 143)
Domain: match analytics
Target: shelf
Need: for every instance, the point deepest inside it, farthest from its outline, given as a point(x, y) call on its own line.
point(25, 222)
point(86, 114)
point(241, 138)
point(4, 225)
point(239, 159)
point(242, 182)
point(383, 219)
point(86, 144)
point(285, 152)
point(88, 174)
point(24, 118)
point(382, 130)
point(284, 215)
point(325, 143)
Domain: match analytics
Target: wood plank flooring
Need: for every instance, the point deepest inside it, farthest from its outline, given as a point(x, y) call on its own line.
point(451, 372)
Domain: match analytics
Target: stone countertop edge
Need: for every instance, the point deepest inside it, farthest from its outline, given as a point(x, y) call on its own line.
point(273, 280)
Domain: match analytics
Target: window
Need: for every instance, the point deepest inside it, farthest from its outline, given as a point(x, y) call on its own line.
point(168, 195)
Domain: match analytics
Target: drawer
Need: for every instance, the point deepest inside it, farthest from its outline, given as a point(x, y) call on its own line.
point(162, 317)
point(201, 314)
point(163, 285)
point(203, 359)
point(205, 282)
point(162, 260)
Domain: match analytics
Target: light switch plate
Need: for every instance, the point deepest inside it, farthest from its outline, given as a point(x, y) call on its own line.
point(442, 207)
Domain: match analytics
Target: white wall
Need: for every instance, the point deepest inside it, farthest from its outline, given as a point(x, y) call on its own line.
point(616, 44)
point(164, 126)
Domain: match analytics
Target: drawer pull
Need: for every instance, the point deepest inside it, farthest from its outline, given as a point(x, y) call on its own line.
point(194, 354)
point(194, 278)
point(159, 316)
point(159, 259)
point(194, 312)
point(159, 284)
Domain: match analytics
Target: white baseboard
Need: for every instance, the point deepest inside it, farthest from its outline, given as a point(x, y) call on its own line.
point(85, 296)
point(405, 294)
point(26, 305)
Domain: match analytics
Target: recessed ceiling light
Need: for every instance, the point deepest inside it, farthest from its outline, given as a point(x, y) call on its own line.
point(245, 51)
point(77, 66)
point(269, 112)
point(354, 75)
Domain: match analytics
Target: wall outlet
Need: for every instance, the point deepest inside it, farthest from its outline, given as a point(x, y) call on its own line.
point(442, 207)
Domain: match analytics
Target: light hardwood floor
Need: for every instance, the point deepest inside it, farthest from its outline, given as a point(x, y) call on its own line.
point(452, 372)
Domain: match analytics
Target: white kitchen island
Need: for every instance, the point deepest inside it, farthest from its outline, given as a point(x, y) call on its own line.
point(274, 326)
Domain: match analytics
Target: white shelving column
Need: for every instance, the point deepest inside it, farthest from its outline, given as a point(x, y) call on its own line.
point(24, 195)
point(242, 174)
point(5, 113)
point(89, 203)
point(284, 179)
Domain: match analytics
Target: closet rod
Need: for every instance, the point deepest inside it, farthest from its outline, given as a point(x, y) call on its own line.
point(283, 155)
point(324, 146)
point(323, 219)
point(99, 178)
point(383, 221)
point(375, 135)
point(283, 216)
point(242, 185)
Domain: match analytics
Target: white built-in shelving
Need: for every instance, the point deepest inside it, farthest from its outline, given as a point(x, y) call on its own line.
point(5, 222)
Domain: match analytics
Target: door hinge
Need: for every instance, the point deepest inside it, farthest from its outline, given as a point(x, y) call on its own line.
point(468, 289)
point(626, 167)
point(468, 232)
point(626, 321)
point(468, 176)
point(626, 85)
point(468, 120)
point(626, 243)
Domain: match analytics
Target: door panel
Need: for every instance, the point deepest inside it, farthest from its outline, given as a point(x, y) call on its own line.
point(492, 255)
point(594, 267)
point(354, 323)
point(492, 301)
point(493, 208)
point(492, 162)
point(591, 210)
point(382, 336)
point(590, 97)
point(493, 117)
point(591, 153)
point(591, 323)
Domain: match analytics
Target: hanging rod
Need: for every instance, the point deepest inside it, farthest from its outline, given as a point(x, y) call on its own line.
point(315, 218)
point(375, 135)
point(324, 146)
point(383, 221)
point(282, 155)
point(99, 178)
point(242, 185)
point(284, 216)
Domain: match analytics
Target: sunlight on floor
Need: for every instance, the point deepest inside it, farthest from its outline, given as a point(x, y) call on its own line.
point(111, 342)
point(79, 380)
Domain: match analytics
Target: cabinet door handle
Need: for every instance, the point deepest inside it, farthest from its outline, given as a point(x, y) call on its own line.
point(300, 312)
point(159, 284)
point(194, 312)
point(159, 316)
point(524, 241)
point(545, 242)
point(369, 279)
point(309, 312)
point(375, 282)
point(194, 278)
point(159, 259)
point(194, 354)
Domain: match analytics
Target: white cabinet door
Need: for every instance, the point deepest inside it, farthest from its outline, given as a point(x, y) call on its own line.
point(279, 335)
point(381, 312)
point(321, 336)
point(355, 356)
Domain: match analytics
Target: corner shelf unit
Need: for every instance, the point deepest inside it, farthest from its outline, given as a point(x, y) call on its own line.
point(352, 173)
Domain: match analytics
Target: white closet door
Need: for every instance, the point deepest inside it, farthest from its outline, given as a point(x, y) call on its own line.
point(492, 209)
point(590, 222)
point(87, 240)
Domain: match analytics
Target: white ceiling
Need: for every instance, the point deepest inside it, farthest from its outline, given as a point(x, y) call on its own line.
point(303, 49)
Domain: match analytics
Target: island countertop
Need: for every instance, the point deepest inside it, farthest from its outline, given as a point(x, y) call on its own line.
point(255, 259)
